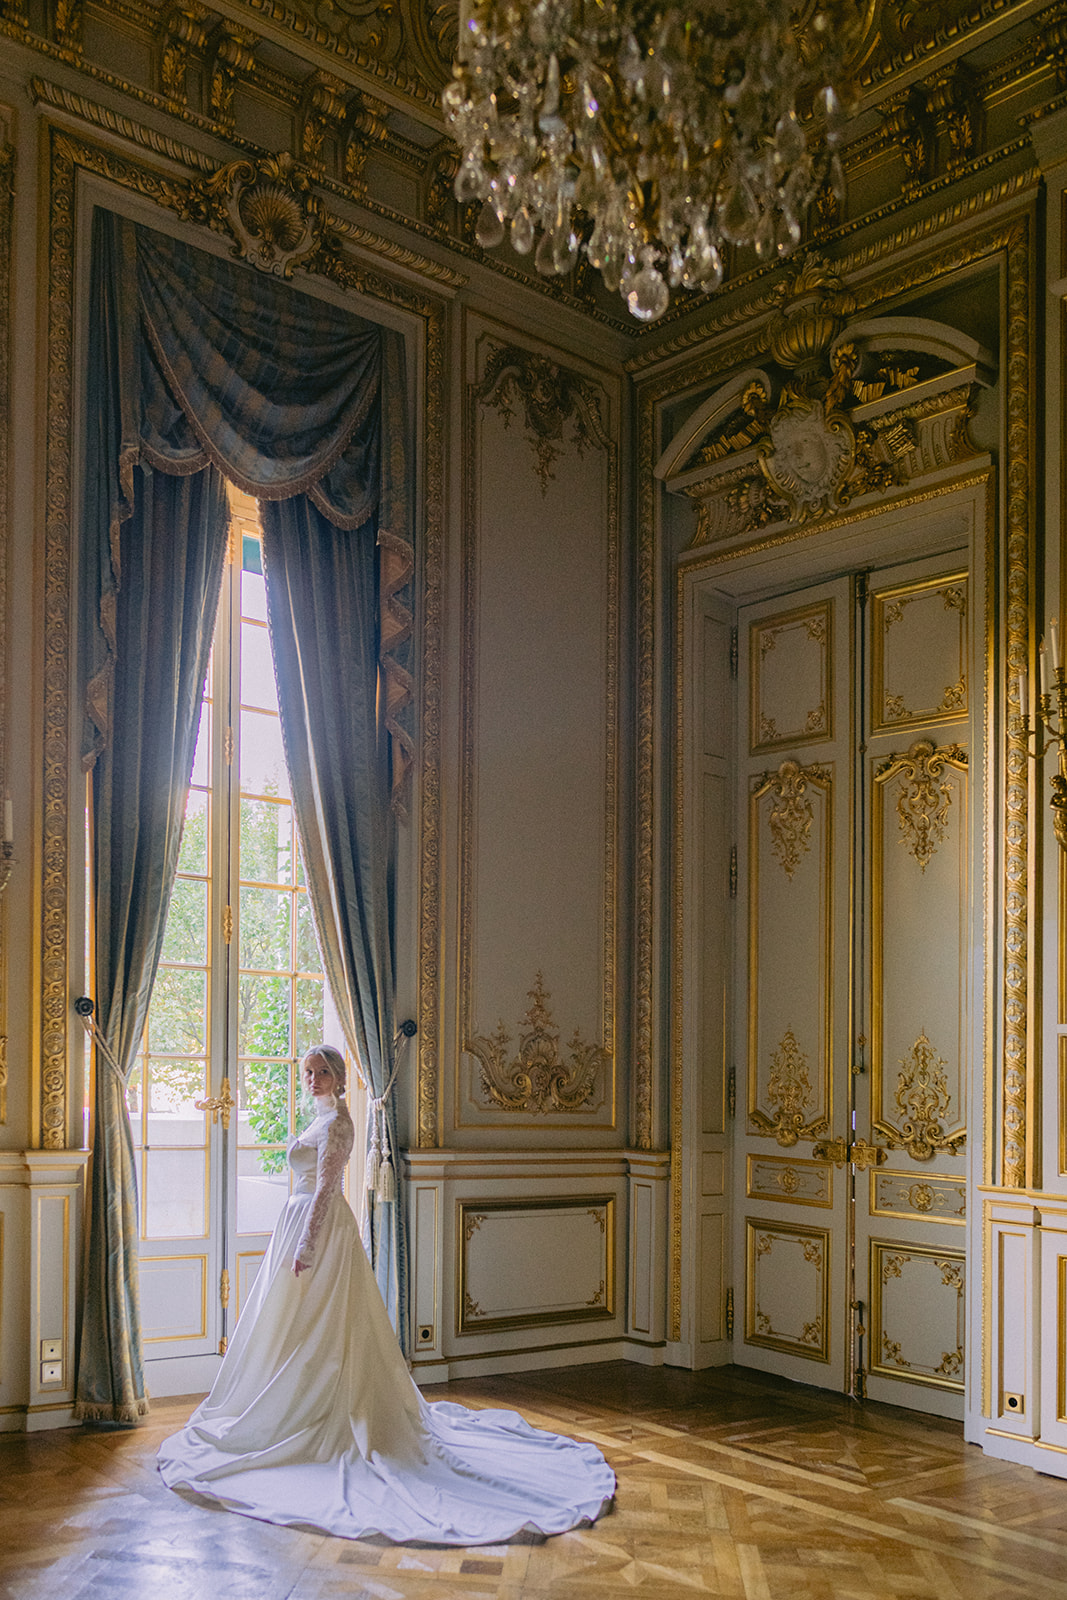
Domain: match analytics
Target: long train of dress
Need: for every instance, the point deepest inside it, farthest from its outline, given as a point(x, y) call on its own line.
point(315, 1421)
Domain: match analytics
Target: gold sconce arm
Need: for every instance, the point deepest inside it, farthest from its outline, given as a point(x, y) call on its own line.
point(1049, 727)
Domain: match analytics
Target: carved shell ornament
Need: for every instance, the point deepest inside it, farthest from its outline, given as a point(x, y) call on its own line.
point(268, 207)
point(538, 1078)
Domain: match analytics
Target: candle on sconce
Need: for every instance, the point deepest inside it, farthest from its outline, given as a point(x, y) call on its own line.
point(1023, 706)
point(1054, 641)
point(1043, 659)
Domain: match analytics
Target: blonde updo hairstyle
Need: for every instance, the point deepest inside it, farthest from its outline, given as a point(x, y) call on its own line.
point(334, 1063)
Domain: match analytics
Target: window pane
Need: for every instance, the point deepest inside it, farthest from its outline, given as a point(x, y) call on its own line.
point(263, 1016)
point(266, 842)
point(266, 939)
point(173, 1087)
point(175, 1193)
point(193, 855)
point(253, 595)
point(307, 950)
point(202, 759)
point(308, 1021)
point(133, 1101)
point(261, 1194)
point(176, 1017)
point(262, 759)
point(257, 667)
point(263, 1109)
point(186, 936)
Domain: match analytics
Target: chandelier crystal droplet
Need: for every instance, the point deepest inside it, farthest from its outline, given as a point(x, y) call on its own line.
point(650, 137)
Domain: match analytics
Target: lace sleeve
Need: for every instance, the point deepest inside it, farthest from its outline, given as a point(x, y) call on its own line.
point(334, 1151)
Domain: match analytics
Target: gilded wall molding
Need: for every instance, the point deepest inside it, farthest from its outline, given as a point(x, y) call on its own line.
point(69, 157)
point(7, 197)
point(560, 396)
point(1016, 1164)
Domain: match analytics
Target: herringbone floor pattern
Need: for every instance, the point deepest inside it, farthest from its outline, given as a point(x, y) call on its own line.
point(730, 1485)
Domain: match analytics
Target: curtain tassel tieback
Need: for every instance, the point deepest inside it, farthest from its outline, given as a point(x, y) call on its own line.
point(381, 1164)
point(84, 1008)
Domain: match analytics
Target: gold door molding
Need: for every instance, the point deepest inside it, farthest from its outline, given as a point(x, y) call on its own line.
point(7, 194)
point(177, 193)
point(810, 632)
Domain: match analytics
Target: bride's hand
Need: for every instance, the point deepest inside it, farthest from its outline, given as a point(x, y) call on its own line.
point(299, 1267)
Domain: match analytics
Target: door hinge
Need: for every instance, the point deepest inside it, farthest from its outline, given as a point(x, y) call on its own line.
point(227, 924)
point(729, 1313)
point(861, 588)
point(224, 1288)
point(731, 1092)
point(733, 872)
point(734, 653)
point(228, 747)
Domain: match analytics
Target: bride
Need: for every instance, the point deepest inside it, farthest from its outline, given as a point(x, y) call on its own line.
point(314, 1419)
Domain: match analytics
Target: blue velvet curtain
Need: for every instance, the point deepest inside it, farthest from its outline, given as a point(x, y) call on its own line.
point(157, 542)
point(322, 607)
point(199, 367)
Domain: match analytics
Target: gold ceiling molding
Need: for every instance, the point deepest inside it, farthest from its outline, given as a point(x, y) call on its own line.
point(538, 1079)
point(209, 202)
point(71, 156)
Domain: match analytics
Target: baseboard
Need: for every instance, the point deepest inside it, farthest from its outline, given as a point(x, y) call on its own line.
point(489, 1363)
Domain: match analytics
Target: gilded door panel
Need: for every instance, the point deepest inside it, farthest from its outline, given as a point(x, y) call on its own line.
point(919, 931)
point(919, 651)
point(787, 1304)
point(914, 996)
point(794, 806)
point(926, 1349)
point(791, 942)
point(790, 700)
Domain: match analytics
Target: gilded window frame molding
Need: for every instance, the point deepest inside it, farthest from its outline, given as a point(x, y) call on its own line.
point(1007, 241)
point(7, 209)
point(70, 154)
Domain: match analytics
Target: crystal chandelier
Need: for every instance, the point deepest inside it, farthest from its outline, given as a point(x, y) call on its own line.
point(649, 135)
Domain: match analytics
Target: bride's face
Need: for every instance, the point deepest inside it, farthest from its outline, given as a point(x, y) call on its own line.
point(318, 1079)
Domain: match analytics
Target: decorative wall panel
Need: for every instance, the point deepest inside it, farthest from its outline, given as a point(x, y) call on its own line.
point(173, 1297)
point(926, 1348)
point(525, 1263)
point(540, 745)
point(792, 673)
point(787, 1302)
point(790, 938)
point(803, 1183)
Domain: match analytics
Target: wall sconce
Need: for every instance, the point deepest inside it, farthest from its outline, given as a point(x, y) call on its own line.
point(1051, 720)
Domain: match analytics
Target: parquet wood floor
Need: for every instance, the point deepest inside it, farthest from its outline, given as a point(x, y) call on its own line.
point(731, 1485)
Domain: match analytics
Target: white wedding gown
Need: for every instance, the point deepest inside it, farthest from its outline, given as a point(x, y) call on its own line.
point(314, 1419)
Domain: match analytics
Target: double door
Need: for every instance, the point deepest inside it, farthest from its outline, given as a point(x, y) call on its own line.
point(854, 982)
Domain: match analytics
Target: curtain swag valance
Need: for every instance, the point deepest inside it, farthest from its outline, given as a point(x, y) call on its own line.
point(283, 393)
